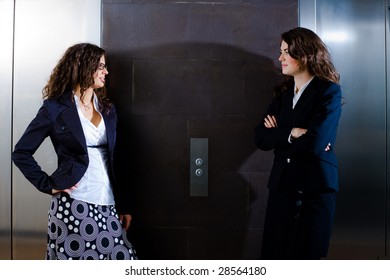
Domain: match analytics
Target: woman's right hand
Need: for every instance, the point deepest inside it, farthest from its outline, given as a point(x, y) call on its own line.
point(297, 132)
point(68, 191)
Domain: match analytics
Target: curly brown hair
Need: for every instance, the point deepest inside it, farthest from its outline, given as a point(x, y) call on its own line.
point(311, 52)
point(76, 67)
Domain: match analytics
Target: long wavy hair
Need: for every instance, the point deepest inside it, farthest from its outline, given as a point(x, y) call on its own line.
point(76, 67)
point(311, 53)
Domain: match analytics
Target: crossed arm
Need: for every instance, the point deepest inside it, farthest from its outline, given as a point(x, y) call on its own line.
point(296, 132)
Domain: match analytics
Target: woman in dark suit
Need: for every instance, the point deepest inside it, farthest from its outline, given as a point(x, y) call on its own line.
point(81, 123)
point(300, 126)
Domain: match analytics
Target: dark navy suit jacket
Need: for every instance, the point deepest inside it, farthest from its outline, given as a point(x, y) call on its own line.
point(304, 164)
point(59, 120)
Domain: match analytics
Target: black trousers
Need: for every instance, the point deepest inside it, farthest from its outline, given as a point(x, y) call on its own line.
point(298, 225)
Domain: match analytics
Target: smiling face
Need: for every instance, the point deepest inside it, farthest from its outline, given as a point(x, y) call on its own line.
point(100, 75)
point(290, 66)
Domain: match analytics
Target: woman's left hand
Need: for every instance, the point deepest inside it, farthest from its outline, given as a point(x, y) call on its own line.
point(125, 220)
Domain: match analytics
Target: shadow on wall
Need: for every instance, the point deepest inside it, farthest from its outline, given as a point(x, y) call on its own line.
point(162, 103)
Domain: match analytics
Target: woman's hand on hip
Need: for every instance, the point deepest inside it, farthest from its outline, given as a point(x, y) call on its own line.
point(68, 191)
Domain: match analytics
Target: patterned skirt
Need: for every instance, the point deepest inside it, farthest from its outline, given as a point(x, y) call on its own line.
point(81, 230)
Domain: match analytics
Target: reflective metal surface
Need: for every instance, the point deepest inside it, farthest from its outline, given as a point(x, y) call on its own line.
point(387, 23)
point(43, 29)
point(6, 49)
point(355, 33)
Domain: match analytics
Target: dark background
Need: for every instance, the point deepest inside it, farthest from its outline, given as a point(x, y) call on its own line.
point(194, 69)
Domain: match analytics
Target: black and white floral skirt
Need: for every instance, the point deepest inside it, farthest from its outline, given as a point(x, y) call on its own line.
point(81, 230)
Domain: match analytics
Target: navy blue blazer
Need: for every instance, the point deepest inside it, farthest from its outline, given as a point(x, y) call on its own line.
point(304, 164)
point(59, 120)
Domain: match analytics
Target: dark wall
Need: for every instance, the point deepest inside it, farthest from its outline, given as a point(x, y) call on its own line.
point(201, 69)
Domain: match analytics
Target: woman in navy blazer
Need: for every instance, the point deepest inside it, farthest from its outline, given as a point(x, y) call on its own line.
point(300, 126)
point(81, 122)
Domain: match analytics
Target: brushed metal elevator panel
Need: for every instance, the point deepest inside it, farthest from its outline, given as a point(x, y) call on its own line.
point(6, 51)
point(355, 32)
point(44, 29)
point(199, 165)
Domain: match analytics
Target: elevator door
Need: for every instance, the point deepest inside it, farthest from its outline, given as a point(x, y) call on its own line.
point(34, 34)
point(355, 33)
point(6, 22)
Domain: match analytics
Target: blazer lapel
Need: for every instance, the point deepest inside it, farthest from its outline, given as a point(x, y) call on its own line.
point(71, 117)
point(307, 95)
point(109, 120)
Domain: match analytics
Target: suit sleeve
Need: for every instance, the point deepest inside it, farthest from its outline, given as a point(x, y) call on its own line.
point(270, 138)
point(322, 128)
point(25, 148)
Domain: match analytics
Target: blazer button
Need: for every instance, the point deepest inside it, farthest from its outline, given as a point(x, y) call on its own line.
point(299, 203)
point(288, 160)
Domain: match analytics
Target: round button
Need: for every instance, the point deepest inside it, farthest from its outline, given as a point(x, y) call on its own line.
point(198, 172)
point(299, 203)
point(199, 162)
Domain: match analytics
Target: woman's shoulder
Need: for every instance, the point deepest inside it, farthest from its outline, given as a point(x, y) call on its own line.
point(327, 90)
point(58, 104)
point(326, 85)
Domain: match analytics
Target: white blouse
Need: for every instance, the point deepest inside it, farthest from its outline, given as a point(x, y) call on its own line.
point(297, 94)
point(94, 187)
